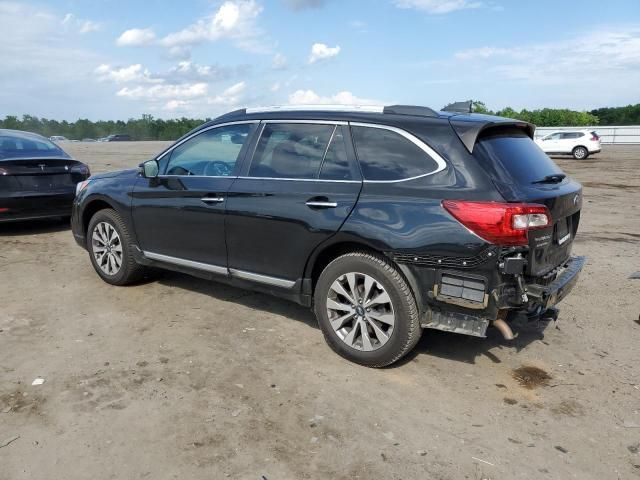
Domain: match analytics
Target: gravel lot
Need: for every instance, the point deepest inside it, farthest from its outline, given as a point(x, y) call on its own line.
point(183, 378)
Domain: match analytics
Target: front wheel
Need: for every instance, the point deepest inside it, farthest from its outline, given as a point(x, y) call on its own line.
point(366, 309)
point(580, 153)
point(109, 246)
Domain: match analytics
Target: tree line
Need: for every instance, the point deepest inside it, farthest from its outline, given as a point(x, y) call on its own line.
point(149, 128)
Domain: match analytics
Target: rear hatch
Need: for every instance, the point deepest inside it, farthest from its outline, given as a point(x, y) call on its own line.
point(522, 172)
point(40, 174)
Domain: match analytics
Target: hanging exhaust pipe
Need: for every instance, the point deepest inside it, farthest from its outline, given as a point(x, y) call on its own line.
point(502, 326)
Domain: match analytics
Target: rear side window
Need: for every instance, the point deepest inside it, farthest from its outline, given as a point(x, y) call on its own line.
point(387, 155)
point(509, 154)
point(290, 150)
point(336, 163)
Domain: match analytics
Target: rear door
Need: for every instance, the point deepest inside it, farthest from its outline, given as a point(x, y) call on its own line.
point(179, 216)
point(522, 173)
point(299, 187)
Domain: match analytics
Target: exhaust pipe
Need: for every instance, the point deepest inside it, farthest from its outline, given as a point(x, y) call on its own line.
point(503, 326)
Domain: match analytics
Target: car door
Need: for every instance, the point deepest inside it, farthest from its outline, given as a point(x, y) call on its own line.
point(567, 142)
point(551, 143)
point(298, 189)
point(179, 215)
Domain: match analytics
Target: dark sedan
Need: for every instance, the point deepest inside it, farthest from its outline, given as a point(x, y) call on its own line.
point(37, 178)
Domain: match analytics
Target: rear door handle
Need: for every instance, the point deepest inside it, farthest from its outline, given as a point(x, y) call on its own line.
point(320, 202)
point(212, 199)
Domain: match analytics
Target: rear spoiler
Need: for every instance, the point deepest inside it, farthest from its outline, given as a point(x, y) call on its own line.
point(468, 128)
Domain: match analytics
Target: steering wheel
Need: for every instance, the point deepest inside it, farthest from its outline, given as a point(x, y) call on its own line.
point(216, 168)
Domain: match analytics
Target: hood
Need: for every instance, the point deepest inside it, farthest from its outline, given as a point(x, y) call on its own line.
point(117, 173)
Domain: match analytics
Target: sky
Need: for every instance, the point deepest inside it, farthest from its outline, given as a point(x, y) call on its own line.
point(118, 59)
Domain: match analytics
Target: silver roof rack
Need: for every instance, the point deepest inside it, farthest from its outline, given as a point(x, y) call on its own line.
point(318, 108)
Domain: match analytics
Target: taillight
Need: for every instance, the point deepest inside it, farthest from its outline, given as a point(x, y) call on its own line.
point(4, 171)
point(500, 223)
point(594, 137)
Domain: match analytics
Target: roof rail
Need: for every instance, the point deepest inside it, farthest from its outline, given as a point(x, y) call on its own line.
point(321, 108)
point(390, 109)
point(459, 107)
point(411, 110)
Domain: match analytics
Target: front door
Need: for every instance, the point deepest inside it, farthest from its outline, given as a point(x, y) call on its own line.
point(179, 216)
point(297, 191)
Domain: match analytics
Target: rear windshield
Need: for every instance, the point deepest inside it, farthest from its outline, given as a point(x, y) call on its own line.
point(510, 155)
point(18, 146)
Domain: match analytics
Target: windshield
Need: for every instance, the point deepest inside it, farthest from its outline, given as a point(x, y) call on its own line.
point(18, 146)
point(510, 155)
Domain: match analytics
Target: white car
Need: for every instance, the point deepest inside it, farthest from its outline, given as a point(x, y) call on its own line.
point(579, 143)
point(58, 138)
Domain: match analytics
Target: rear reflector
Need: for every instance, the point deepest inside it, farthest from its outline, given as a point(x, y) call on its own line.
point(500, 223)
point(3, 210)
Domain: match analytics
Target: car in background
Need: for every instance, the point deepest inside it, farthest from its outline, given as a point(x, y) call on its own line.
point(579, 143)
point(89, 140)
point(118, 138)
point(37, 178)
point(384, 220)
point(58, 138)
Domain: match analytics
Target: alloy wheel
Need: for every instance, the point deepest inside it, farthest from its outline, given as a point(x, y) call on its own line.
point(106, 248)
point(360, 311)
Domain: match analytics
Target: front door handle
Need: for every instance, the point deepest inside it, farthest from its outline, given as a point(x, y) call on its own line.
point(212, 199)
point(320, 202)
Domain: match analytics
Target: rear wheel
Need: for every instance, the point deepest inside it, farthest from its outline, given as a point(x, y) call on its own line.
point(109, 246)
point(366, 310)
point(580, 153)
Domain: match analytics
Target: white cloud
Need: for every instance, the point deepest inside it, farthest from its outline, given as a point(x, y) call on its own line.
point(132, 73)
point(438, 6)
point(80, 25)
point(309, 97)
point(234, 20)
point(279, 62)
point(320, 51)
point(161, 92)
point(595, 55)
point(136, 37)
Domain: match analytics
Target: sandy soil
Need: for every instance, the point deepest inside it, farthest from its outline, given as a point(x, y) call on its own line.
point(183, 378)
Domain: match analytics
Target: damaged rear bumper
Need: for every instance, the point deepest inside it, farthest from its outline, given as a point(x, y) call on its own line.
point(549, 295)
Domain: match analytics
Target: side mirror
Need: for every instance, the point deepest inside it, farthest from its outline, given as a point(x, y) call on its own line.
point(149, 169)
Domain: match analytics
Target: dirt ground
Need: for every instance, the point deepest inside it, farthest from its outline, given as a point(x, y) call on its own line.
point(180, 378)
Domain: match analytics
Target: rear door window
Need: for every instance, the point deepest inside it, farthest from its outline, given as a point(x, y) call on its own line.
point(509, 154)
point(385, 155)
point(291, 150)
point(336, 165)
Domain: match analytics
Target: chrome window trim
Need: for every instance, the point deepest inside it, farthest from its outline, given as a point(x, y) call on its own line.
point(317, 108)
point(315, 122)
point(298, 179)
point(266, 279)
point(435, 156)
point(176, 145)
point(186, 263)
point(198, 176)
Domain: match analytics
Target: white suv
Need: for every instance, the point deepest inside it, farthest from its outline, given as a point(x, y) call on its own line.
point(579, 143)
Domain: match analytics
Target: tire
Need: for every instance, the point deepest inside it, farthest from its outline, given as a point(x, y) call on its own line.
point(580, 153)
point(120, 249)
point(370, 276)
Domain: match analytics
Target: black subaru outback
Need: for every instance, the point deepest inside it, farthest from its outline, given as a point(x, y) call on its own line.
point(384, 220)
